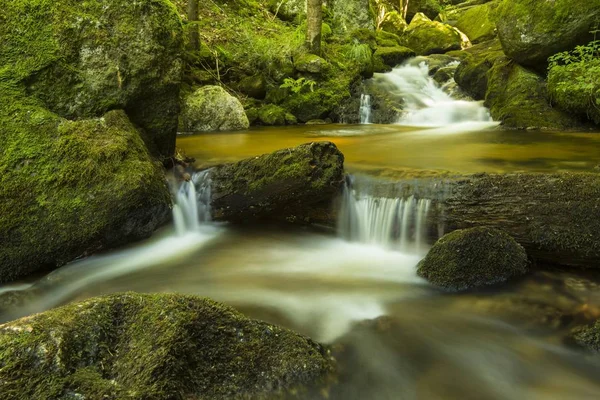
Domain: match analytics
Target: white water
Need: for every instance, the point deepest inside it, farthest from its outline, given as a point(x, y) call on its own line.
point(425, 103)
point(365, 109)
point(393, 223)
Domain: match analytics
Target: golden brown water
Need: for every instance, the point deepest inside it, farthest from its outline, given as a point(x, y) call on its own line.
point(383, 149)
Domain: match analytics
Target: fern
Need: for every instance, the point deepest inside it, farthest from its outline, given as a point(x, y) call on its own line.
point(296, 85)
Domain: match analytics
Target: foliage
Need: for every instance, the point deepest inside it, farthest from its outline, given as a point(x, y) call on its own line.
point(359, 53)
point(296, 85)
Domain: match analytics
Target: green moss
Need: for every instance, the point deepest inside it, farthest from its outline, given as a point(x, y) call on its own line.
point(68, 187)
point(160, 346)
point(387, 39)
point(518, 98)
point(472, 73)
point(83, 59)
point(472, 258)
point(429, 37)
point(478, 22)
point(394, 56)
point(272, 115)
point(310, 63)
point(393, 23)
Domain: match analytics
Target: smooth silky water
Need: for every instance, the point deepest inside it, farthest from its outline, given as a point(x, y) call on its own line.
point(425, 344)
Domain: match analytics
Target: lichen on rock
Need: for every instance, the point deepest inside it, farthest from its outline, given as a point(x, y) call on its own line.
point(211, 108)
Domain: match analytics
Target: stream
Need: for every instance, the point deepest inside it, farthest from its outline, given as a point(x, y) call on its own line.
point(500, 343)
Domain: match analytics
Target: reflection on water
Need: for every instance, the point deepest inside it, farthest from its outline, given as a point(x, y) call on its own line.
point(424, 345)
point(466, 148)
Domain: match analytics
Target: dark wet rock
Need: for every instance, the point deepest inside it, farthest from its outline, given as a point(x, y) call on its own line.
point(472, 258)
point(158, 346)
point(254, 86)
point(532, 31)
point(294, 185)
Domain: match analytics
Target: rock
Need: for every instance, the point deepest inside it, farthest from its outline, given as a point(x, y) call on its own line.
point(393, 56)
point(472, 258)
point(289, 10)
point(393, 23)
point(155, 346)
point(211, 108)
point(444, 74)
point(532, 31)
point(478, 22)
point(587, 337)
point(430, 8)
point(295, 184)
point(98, 56)
point(518, 98)
point(349, 15)
point(310, 63)
point(70, 188)
point(272, 115)
point(472, 72)
point(387, 39)
point(254, 86)
point(574, 88)
point(434, 62)
point(317, 122)
point(427, 37)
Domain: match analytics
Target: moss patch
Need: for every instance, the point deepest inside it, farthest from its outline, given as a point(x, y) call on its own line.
point(160, 346)
point(393, 56)
point(478, 22)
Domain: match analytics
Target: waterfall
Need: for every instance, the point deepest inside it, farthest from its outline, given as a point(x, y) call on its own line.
point(192, 203)
point(398, 223)
point(365, 109)
point(425, 103)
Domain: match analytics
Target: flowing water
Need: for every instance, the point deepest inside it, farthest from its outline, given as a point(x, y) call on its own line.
point(502, 343)
point(365, 109)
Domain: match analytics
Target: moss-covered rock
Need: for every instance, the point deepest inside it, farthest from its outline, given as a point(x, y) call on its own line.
point(83, 59)
point(472, 258)
point(532, 31)
point(310, 63)
point(159, 346)
point(254, 86)
point(430, 8)
point(587, 337)
point(68, 188)
point(393, 23)
point(393, 56)
point(472, 72)
point(478, 22)
point(387, 39)
point(296, 184)
point(576, 88)
point(518, 98)
point(428, 37)
point(211, 108)
point(272, 115)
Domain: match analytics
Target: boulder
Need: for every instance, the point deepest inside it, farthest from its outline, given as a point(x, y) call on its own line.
point(472, 72)
point(587, 337)
point(272, 115)
point(430, 8)
point(478, 22)
point(69, 188)
point(393, 23)
point(349, 15)
point(393, 56)
point(519, 99)
point(155, 346)
point(532, 31)
point(211, 108)
point(83, 59)
point(295, 185)
point(310, 63)
point(472, 258)
point(254, 86)
point(428, 37)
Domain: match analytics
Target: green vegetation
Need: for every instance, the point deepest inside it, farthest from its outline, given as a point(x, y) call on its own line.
point(158, 346)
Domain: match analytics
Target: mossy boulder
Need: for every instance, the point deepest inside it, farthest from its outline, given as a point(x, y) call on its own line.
point(472, 72)
point(575, 88)
point(393, 56)
point(69, 188)
point(393, 23)
point(155, 346)
point(387, 39)
point(587, 337)
point(472, 258)
point(294, 185)
point(272, 115)
point(254, 86)
point(430, 8)
point(349, 15)
point(83, 59)
point(532, 31)
point(211, 108)
point(310, 63)
point(518, 98)
point(428, 37)
point(478, 22)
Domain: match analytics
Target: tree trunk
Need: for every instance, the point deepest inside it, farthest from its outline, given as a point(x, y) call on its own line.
point(193, 27)
point(314, 15)
point(403, 8)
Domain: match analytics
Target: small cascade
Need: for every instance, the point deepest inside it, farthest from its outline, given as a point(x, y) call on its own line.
point(425, 103)
point(365, 109)
point(390, 222)
point(192, 203)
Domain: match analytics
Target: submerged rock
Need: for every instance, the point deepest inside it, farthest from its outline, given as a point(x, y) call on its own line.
point(428, 37)
point(532, 31)
point(472, 258)
point(295, 184)
point(69, 188)
point(159, 346)
point(83, 59)
point(211, 108)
